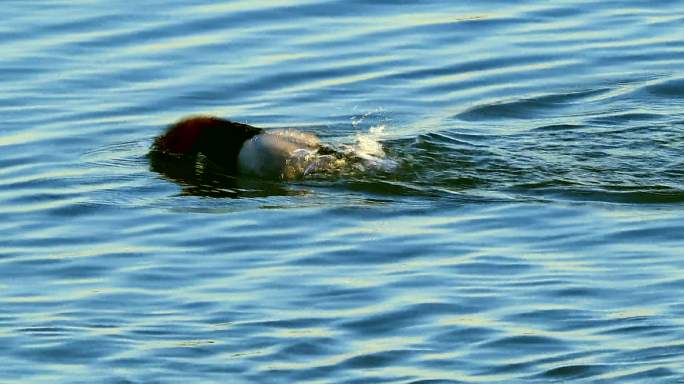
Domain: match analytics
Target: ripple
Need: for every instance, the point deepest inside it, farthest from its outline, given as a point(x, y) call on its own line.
point(528, 108)
point(393, 322)
point(672, 88)
point(575, 371)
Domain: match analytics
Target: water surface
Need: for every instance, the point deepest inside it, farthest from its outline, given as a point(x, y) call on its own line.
point(531, 231)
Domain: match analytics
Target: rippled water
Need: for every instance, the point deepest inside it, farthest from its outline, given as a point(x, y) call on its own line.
point(531, 231)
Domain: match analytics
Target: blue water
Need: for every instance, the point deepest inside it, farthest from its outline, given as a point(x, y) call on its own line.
point(530, 232)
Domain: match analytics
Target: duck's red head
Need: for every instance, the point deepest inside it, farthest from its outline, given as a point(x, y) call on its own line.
point(218, 139)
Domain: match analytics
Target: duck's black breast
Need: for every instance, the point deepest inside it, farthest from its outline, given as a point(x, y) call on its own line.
point(219, 140)
point(222, 144)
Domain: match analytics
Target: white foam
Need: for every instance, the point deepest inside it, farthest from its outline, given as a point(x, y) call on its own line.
point(368, 148)
point(291, 154)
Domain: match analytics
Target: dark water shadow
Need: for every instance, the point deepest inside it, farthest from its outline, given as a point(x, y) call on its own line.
point(198, 176)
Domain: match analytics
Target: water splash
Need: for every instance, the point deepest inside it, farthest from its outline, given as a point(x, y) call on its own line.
point(308, 163)
point(365, 155)
point(368, 147)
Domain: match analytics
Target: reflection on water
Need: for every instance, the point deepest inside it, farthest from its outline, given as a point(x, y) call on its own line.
point(199, 177)
point(508, 207)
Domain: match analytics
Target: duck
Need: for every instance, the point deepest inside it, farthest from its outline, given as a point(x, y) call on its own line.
point(237, 148)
